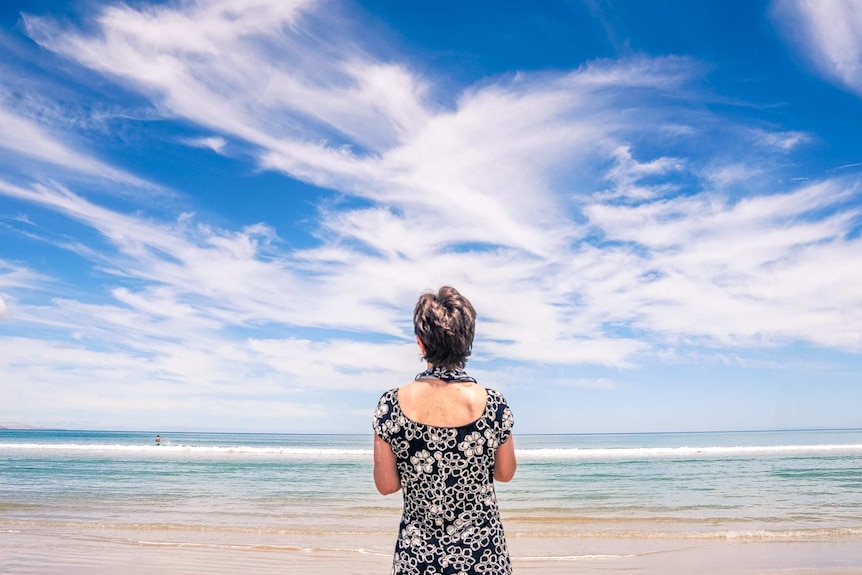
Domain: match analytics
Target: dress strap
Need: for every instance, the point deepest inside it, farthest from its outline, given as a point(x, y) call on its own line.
point(445, 374)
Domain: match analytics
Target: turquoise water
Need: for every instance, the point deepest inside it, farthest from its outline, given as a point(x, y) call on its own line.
point(785, 485)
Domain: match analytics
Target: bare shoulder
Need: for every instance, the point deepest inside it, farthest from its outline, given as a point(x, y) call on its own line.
point(408, 390)
point(408, 386)
point(434, 402)
point(475, 392)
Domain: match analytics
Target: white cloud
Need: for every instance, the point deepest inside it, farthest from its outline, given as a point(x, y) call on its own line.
point(761, 270)
point(52, 381)
point(723, 176)
point(628, 173)
point(493, 155)
point(26, 138)
point(784, 141)
point(829, 34)
point(15, 278)
point(479, 194)
point(214, 143)
point(194, 61)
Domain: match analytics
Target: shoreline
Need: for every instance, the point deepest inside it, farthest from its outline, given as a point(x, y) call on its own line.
point(79, 549)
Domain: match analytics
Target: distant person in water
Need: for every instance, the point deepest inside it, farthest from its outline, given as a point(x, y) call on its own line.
point(445, 440)
point(158, 440)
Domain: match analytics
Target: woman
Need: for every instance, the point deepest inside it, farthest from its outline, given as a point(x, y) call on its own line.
point(444, 440)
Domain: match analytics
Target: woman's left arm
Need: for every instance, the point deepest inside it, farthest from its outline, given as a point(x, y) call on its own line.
point(505, 462)
point(386, 477)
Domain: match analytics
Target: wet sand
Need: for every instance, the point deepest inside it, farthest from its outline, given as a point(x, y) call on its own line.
point(42, 549)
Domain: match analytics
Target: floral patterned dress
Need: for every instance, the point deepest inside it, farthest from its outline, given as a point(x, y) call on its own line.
point(451, 522)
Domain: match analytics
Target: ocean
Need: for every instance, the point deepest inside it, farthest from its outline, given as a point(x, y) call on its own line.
point(92, 501)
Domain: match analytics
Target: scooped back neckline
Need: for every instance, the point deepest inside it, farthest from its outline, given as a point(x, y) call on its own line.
point(469, 424)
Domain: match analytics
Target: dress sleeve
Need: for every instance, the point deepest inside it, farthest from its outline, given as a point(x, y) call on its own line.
point(503, 419)
point(507, 424)
point(382, 416)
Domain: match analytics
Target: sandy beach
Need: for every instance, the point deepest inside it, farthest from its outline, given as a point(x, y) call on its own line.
point(88, 549)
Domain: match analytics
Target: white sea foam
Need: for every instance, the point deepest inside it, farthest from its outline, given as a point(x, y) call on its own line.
point(550, 558)
point(813, 534)
point(295, 452)
point(578, 454)
point(686, 452)
point(801, 534)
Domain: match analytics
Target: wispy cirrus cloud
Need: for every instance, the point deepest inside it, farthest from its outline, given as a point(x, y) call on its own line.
point(829, 34)
point(15, 277)
point(25, 138)
point(193, 61)
point(490, 172)
point(214, 143)
point(760, 270)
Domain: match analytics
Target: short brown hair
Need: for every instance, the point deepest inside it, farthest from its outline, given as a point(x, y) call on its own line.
point(445, 322)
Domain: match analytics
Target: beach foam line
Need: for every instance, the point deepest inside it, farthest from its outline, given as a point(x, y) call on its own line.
point(261, 547)
point(10, 524)
point(589, 557)
point(186, 449)
point(583, 454)
point(83, 528)
point(619, 453)
point(741, 535)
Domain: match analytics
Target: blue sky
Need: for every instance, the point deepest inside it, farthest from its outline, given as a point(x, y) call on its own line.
point(219, 214)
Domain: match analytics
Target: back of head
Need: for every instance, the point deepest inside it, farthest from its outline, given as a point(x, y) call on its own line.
point(445, 322)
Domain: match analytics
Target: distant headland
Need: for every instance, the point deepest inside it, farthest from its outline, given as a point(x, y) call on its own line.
point(8, 425)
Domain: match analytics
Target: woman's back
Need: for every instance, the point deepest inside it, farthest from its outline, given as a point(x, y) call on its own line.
point(441, 404)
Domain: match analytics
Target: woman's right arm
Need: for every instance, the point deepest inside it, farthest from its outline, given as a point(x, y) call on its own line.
point(505, 463)
point(386, 477)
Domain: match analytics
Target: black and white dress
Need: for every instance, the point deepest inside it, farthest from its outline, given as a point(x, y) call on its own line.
point(451, 522)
